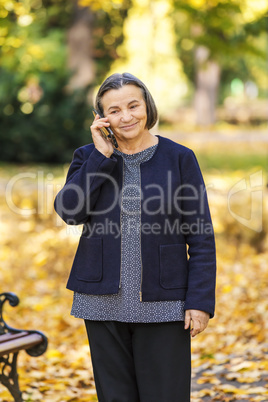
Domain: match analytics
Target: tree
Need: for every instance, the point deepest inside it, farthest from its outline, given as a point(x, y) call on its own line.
point(107, 31)
point(80, 48)
point(149, 51)
point(52, 55)
point(217, 38)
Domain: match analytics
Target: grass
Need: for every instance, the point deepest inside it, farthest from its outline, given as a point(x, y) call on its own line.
point(216, 160)
point(8, 169)
point(221, 160)
point(211, 155)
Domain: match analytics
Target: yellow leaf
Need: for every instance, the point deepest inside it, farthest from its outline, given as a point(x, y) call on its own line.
point(227, 288)
point(53, 353)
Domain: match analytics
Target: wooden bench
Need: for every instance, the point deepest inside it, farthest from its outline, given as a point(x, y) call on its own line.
point(11, 342)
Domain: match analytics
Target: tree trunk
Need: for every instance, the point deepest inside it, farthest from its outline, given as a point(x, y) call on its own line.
point(207, 83)
point(80, 48)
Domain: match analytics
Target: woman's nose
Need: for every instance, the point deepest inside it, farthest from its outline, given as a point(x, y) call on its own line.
point(126, 116)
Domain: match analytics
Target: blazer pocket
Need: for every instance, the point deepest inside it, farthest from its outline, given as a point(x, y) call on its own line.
point(88, 259)
point(173, 266)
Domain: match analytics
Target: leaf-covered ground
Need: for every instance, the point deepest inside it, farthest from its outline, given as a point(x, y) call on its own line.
point(230, 359)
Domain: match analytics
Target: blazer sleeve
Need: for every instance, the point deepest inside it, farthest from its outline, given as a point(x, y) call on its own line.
point(199, 237)
point(86, 174)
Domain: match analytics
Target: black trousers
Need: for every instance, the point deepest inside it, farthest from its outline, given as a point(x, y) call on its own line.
point(136, 362)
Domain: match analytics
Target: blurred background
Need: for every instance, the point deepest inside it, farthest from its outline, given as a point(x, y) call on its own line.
point(205, 63)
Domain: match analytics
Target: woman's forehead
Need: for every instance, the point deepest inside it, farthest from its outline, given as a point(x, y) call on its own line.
point(123, 95)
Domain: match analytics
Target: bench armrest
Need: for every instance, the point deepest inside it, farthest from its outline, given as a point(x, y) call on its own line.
point(13, 301)
point(35, 350)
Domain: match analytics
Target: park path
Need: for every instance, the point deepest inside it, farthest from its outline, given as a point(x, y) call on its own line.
point(253, 136)
point(236, 378)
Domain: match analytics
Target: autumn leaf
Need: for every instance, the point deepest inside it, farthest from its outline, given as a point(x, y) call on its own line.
point(229, 360)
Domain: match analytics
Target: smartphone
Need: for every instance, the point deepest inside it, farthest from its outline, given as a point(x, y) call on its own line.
point(106, 131)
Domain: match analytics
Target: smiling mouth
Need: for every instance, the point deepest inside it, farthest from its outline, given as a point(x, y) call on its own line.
point(130, 126)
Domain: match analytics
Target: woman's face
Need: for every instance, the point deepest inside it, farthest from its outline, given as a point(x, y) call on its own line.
point(126, 110)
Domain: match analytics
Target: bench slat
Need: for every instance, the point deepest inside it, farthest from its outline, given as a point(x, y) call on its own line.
point(21, 343)
point(8, 336)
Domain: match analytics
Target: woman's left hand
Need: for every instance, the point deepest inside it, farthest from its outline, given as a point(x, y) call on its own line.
point(197, 320)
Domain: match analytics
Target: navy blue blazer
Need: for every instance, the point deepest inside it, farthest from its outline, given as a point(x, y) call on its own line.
point(177, 240)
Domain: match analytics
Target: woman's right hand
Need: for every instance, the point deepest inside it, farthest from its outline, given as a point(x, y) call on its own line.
point(102, 144)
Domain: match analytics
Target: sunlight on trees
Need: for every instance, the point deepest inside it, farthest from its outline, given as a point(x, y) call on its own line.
point(252, 10)
point(217, 42)
point(160, 41)
point(105, 5)
point(149, 52)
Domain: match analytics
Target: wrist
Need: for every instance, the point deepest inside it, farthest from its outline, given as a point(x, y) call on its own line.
point(105, 153)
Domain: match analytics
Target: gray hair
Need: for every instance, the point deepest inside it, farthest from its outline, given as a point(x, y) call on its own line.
point(117, 81)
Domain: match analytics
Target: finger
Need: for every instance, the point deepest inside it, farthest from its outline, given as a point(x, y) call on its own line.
point(96, 129)
point(196, 326)
point(100, 123)
point(98, 117)
point(187, 319)
point(203, 325)
point(194, 332)
point(98, 137)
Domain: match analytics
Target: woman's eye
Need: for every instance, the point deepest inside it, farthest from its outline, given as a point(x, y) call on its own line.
point(133, 107)
point(114, 112)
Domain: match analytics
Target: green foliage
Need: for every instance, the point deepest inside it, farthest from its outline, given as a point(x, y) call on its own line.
point(230, 161)
point(41, 121)
point(58, 123)
point(108, 36)
point(233, 42)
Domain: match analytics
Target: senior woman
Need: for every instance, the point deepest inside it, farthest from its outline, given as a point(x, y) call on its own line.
point(144, 272)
